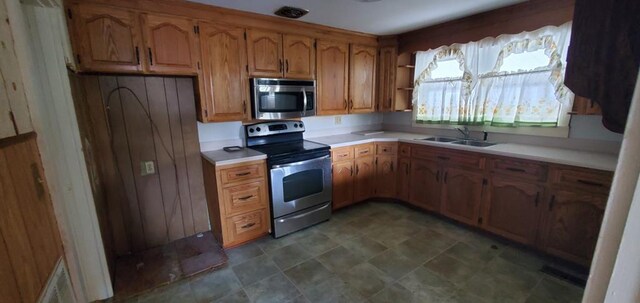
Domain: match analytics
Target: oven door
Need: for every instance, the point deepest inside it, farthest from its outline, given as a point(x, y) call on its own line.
point(283, 102)
point(300, 185)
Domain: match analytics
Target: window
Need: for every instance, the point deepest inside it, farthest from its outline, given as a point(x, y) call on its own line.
point(508, 81)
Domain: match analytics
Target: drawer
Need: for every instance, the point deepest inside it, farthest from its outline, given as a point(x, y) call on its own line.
point(424, 153)
point(363, 150)
point(461, 159)
point(244, 197)
point(585, 179)
point(386, 148)
point(245, 227)
point(242, 173)
point(404, 150)
point(519, 168)
point(342, 153)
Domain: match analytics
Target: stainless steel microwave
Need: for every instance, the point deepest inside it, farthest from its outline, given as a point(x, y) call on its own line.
point(282, 98)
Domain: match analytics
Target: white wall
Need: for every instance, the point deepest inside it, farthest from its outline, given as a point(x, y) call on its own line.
point(586, 133)
point(217, 135)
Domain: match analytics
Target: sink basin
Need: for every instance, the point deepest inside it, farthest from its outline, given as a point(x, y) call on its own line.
point(441, 139)
point(473, 143)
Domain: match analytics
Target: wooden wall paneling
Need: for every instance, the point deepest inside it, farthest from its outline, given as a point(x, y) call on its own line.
point(139, 133)
point(264, 53)
point(14, 111)
point(173, 106)
point(527, 16)
point(14, 232)
point(165, 155)
point(170, 44)
point(333, 77)
point(9, 287)
point(192, 153)
point(118, 133)
point(113, 187)
point(239, 18)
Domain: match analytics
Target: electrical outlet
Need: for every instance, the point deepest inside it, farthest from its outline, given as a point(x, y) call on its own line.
point(147, 168)
point(338, 120)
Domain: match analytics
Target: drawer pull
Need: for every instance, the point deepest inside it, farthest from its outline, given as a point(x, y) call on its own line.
point(248, 225)
point(243, 174)
point(443, 158)
point(362, 152)
point(514, 169)
point(246, 198)
point(590, 183)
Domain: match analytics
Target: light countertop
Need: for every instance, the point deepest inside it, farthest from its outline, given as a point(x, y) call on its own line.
point(593, 160)
point(221, 157)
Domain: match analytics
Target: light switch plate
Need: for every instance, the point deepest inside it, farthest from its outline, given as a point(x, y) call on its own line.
point(338, 120)
point(147, 168)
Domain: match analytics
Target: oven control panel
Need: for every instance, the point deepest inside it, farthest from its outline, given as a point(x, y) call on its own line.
point(274, 128)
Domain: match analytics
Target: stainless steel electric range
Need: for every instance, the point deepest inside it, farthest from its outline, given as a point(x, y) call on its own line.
point(299, 174)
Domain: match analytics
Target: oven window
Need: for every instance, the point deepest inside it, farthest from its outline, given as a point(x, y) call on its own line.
point(302, 184)
point(281, 102)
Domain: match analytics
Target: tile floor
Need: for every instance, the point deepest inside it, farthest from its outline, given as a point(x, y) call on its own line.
point(375, 252)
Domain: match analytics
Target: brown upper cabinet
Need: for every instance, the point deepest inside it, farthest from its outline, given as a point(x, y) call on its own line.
point(224, 80)
point(586, 107)
point(387, 79)
point(107, 39)
point(276, 55)
point(333, 78)
point(362, 75)
point(170, 44)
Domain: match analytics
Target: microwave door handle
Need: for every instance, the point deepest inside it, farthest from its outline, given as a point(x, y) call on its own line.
point(304, 102)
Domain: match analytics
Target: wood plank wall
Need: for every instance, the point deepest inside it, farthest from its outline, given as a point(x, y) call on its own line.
point(30, 244)
point(162, 207)
point(513, 19)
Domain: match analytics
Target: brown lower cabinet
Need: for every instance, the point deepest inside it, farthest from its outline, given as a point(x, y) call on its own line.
point(553, 208)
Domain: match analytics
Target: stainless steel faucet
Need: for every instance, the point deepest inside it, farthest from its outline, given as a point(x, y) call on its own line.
point(465, 132)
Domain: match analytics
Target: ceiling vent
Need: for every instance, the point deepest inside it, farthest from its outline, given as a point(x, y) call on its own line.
point(291, 12)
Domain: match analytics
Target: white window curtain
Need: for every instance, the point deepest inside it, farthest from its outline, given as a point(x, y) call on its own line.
point(485, 95)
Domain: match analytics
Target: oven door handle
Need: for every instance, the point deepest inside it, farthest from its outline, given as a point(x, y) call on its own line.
point(304, 102)
point(302, 162)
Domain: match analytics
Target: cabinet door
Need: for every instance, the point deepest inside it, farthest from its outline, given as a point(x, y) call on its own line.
point(299, 57)
point(425, 187)
point(264, 49)
point(170, 44)
point(109, 39)
point(386, 172)
point(387, 79)
point(333, 77)
point(404, 175)
point(512, 209)
point(223, 72)
point(584, 106)
point(362, 75)
point(462, 195)
point(342, 184)
point(364, 179)
point(572, 224)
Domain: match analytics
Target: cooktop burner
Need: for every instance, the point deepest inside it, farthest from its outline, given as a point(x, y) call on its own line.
point(290, 148)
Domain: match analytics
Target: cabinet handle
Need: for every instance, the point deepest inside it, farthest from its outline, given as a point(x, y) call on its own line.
point(443, 158)
point(138, 55)
point(519, 170)
point(391, 166)
point(246, 198)
point(407, 169)
point(351, 104)
point(357, 170)
point(244, 106)
point(446, 174)
point(345, 104)
point(286, 64)
point(537, 198)
point(280, 65)
point(150, 56)
point(552, 202)
point(243, 174)
point(590, 183)
point(248, 225)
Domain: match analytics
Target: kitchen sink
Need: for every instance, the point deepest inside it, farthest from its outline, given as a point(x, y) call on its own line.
point(441, 139)
point(475, 143)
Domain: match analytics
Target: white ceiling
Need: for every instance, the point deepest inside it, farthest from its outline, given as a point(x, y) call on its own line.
point(384, 17)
